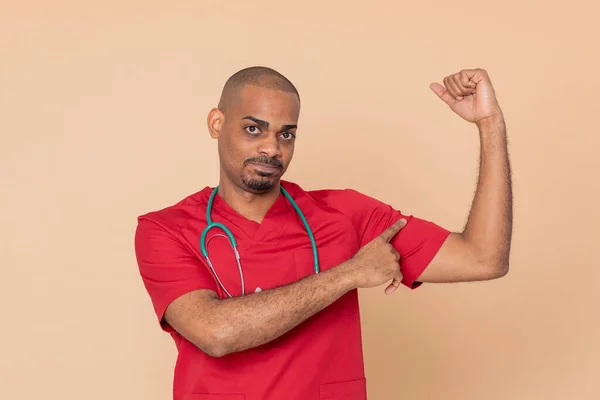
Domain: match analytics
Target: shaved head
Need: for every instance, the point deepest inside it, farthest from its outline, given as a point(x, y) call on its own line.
point(253, 76)
point(256, 125)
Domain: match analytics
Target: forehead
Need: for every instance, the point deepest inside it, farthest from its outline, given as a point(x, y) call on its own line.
point(266, 103)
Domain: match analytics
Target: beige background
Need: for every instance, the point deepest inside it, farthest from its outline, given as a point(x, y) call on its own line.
point(102, 116)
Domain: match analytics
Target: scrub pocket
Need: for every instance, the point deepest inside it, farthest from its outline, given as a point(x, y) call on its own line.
point(202, 396)
point(348, 390)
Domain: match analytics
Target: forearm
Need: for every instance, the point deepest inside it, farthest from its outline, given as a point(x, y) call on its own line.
point(255, 319)
point(489, 227)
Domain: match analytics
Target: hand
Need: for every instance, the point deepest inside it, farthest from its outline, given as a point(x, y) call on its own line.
point(377, 262)
point(470, 94)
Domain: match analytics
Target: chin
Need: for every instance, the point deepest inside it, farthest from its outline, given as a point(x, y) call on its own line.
point(260, 184)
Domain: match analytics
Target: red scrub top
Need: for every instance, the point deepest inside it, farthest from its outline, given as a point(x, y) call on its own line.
point(319, 359)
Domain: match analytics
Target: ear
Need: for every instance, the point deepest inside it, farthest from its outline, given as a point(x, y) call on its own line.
point(215, 121)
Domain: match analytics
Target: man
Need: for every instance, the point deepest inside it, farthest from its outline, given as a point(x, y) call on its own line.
point(282, 321)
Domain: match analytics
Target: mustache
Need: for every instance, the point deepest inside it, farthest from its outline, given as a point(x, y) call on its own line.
point(264, 160)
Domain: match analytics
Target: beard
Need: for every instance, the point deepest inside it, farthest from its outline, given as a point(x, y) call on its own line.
point(261, 181)
point(263, 184)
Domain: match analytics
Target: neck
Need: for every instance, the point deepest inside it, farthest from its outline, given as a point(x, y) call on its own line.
point(252, 206)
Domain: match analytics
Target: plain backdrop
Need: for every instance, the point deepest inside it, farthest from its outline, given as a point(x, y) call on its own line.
point(103, 117)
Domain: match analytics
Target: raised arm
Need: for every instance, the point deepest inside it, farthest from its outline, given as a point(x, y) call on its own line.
point(481, 251)
point(223, 326)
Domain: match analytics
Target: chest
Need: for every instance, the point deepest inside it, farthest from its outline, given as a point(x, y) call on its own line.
point(276, 253)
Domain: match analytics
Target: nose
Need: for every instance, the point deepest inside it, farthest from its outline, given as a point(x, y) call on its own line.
point(270, 146)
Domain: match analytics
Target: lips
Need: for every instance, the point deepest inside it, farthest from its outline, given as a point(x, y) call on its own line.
point(266, 167)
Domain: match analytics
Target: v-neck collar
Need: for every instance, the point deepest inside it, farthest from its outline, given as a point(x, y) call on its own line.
point(272, 225)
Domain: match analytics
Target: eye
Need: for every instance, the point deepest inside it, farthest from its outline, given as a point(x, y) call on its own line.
point(288, 136)
point(253, 130)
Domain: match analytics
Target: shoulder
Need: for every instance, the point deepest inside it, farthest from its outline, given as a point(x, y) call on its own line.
point(321, 195)
point(348, 201)
point(172, 218)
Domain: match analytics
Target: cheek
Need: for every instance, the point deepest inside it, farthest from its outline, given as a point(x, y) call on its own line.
point(235, 150)
point(287, 153)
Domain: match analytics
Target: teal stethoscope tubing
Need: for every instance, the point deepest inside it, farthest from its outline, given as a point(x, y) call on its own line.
point(233, 242)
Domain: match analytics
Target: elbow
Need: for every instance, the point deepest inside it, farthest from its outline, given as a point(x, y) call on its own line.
point(214, 350)
point(214, 342)
point(499, 270)
point(495, 268)
point(491, 261)
point(491, 264)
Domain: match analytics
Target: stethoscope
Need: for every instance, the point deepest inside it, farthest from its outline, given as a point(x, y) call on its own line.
point(233, 243)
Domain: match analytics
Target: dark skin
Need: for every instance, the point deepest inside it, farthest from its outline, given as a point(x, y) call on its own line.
point(259, 124)
point(480, 252)
point(223, 326)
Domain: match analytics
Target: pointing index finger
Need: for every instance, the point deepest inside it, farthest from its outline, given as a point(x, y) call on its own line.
point(393, 229)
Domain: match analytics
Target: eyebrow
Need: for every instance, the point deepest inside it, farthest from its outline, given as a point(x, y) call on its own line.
point(265, 124)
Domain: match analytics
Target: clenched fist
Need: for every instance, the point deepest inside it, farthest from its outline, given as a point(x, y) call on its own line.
point(377, 262)
point(470, 94)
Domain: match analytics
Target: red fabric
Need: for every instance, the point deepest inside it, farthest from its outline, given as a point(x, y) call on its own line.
point(319, 359)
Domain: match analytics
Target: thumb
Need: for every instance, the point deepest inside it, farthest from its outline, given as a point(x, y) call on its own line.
point(394, 285)
point(442, 93)
point(393, 229)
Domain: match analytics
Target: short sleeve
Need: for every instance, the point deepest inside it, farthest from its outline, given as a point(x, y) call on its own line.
point(418, 242)
point(168, 269)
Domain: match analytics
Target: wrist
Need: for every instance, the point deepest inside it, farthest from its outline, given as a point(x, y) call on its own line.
point(492, 124)
point(345, 276)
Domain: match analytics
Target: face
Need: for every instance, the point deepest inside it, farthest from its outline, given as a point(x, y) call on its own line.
point(256, 135)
